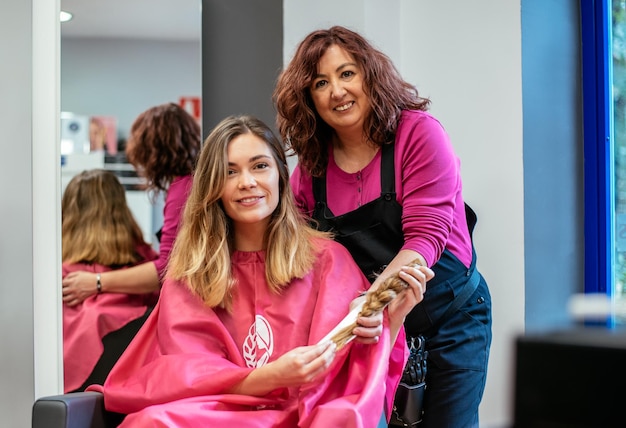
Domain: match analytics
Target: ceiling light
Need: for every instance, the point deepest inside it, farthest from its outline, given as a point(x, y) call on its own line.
point(66, 16)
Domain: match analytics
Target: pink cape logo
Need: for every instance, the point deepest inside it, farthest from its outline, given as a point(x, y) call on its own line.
point(259, 344)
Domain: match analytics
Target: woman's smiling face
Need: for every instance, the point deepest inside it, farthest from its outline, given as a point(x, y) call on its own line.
point(251, 193)
point(337, 91)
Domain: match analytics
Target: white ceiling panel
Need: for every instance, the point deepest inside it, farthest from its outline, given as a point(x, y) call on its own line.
point(142, 19)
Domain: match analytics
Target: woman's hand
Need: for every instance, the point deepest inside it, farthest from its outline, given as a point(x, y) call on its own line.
point(293, 369)
point(399, 308)
point(304, 364)
point(370, 328)
point(77, 286)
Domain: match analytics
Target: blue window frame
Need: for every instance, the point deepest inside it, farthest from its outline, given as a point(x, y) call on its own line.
point(596, 33)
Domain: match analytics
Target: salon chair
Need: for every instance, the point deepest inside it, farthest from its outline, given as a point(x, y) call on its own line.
point(79, 409)
point(73, 410)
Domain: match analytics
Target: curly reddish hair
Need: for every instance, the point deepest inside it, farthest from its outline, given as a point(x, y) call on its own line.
point(299, 124)
point(164, 143)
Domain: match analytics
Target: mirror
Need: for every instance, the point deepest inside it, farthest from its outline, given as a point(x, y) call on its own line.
point(119, 58)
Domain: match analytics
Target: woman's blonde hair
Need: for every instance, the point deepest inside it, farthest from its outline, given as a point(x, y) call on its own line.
point(201, 256)
point(97, 226)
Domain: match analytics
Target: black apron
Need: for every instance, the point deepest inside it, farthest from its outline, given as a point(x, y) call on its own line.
point(373, 235)
point(372, 232)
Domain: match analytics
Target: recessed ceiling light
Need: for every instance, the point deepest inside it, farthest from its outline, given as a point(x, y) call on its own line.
point(66, 16)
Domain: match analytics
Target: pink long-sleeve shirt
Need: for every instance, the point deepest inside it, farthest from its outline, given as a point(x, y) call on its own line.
point(428, 186)
point(172, 211)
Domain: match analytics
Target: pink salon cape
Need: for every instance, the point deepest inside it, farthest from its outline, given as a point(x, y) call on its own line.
point(178, 368)
point(85, 324)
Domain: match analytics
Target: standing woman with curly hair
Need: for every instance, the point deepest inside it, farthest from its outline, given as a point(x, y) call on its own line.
point(163, 146)
point(380, 172)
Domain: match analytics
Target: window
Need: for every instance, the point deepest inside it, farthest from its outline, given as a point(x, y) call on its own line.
point(603, 24)
point(619, 143)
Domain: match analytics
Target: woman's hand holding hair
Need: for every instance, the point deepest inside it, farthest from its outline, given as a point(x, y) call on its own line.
point(77, 286)
point(295, 368)
point(405, 301)
point(368, 329)
point(304, 364)
point(416, 277)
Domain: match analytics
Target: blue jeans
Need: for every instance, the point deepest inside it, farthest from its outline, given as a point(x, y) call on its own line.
point(458, 347)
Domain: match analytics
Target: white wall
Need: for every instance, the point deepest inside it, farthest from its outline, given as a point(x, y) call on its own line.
point(46, 179)
point(16, 348)
point(123, 77)
point(30, 210)
point(469, 63)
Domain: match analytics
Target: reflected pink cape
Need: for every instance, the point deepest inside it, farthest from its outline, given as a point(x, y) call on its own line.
point(86, 324)
point(178, 367)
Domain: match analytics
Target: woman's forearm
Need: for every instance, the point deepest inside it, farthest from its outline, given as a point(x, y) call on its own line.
point(293, 369)
point(138, 279)
point(258, 383)
point(403, 258)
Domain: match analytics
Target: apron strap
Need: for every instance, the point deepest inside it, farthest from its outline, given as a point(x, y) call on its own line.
point(319, 189)
point(387, 171)
point(471, 218)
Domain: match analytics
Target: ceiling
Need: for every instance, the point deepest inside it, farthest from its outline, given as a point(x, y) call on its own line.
point(136, 19)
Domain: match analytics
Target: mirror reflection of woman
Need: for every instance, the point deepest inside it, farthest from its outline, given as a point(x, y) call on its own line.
point(163, 145)
point(251, 291)
point(99, 234)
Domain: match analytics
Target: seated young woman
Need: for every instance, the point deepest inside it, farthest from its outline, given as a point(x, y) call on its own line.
point(99, 234)
point(250, 292)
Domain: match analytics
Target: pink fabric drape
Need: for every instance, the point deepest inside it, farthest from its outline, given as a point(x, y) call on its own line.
point(178, 367)
point(86, 324)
